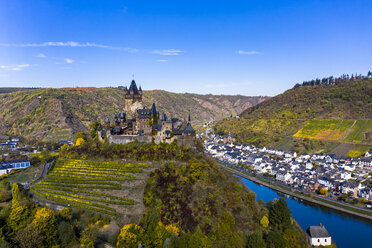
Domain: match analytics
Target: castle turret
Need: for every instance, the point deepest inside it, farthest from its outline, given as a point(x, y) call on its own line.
point(133, 99)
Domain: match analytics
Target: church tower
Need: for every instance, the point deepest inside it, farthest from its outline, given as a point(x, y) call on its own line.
point(133, 99)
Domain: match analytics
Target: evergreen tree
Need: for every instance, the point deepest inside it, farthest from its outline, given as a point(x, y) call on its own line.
point(255, 240)
point(279, 214)
point(16, 196)
point(275, 239)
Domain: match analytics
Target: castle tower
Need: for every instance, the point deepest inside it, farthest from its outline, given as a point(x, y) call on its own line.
point(133, 99)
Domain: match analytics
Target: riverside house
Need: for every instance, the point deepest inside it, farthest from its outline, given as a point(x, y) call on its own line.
point(318, 236)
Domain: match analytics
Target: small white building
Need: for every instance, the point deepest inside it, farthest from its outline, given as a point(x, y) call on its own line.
point(7, 166)
point(318, 236)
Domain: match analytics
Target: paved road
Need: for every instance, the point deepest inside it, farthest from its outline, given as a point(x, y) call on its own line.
point(298, 190)
point(46, 168)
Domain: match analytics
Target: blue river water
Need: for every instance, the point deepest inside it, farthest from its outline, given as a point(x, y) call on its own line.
point(346, 230)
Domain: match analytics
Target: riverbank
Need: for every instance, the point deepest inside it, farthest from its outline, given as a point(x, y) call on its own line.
point(315, 199)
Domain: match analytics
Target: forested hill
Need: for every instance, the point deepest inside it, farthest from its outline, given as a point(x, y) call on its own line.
point(329, 115)
point(55, 114)
point(347, 100)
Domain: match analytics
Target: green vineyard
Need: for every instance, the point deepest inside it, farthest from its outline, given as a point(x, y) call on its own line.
point(91, 185)
point(357, 133)
point(331, 130)
point(349, 131)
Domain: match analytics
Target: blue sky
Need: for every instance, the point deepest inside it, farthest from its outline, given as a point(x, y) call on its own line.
point(219, 47)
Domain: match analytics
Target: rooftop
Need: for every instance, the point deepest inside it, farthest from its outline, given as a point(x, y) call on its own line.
point(318, 232)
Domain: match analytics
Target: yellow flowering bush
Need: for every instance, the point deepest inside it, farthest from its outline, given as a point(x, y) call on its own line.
point(130, 236)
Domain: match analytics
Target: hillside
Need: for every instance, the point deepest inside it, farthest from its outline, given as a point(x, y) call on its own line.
point(55, 114)
point(168, 197)
point(309, 118)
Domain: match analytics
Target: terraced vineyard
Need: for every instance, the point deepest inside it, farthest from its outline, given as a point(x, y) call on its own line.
point(357, 133)
point(332, 130)
point(98, 186)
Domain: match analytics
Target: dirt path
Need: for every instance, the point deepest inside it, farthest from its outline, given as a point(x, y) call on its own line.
point(348, 131)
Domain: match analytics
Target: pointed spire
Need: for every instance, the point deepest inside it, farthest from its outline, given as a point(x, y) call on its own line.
point(153, 109)
point(133, 87)
point(140, 89)
point(189, 119)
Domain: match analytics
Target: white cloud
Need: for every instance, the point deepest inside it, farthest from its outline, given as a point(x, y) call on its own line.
point(247, 52)
point(14, 67)
point(41, 55)
point(69, 61)
point(168, 52)
point(161, 60)
point(71, 44)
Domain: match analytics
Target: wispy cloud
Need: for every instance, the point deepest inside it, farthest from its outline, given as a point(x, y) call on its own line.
point(69, 61)
point(168, 52)
point(71, 44)
point(162, 60)
point(41, 55)
point(242, 52)
point(14, 67)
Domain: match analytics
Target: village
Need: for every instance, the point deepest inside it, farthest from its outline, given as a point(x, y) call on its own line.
point(338, 178)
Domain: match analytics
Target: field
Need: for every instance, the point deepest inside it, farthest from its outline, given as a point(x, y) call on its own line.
point(105, 187)
point(332, 130)
point(357, 133)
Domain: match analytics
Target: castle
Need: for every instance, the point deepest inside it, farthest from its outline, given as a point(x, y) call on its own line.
point(145, 124)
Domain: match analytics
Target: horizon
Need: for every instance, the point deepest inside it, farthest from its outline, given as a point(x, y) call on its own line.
point(244, 48)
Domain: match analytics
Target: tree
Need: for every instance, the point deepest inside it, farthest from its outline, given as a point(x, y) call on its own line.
point(275, 239)
point(16, 195)
point(225, 233)
point(64, 148)
point(88, 237)
point(66, 235)
point(290, 237)
point(80, 135)
point(264, 221)
point(323, 191)
point(196, 239)
point(279, 214)
point(46, 222)
point(94, 128)
point(130, 236)
point(29, 237)
point(65, 213)
point(255, 240)
point(5, 193)
point(79, 141)
point(18, 218)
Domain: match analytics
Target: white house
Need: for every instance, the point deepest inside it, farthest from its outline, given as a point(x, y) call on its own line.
point(318, 235)
point(309, 165)
point(345, 175)
point(283, 176)
point(305, 156)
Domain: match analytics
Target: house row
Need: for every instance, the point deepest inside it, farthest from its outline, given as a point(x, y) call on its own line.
point(309, 172)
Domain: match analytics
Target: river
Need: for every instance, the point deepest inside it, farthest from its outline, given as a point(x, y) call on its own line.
point(347, 231)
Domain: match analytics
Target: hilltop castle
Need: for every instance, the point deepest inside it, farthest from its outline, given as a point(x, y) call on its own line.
point(145, 124)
